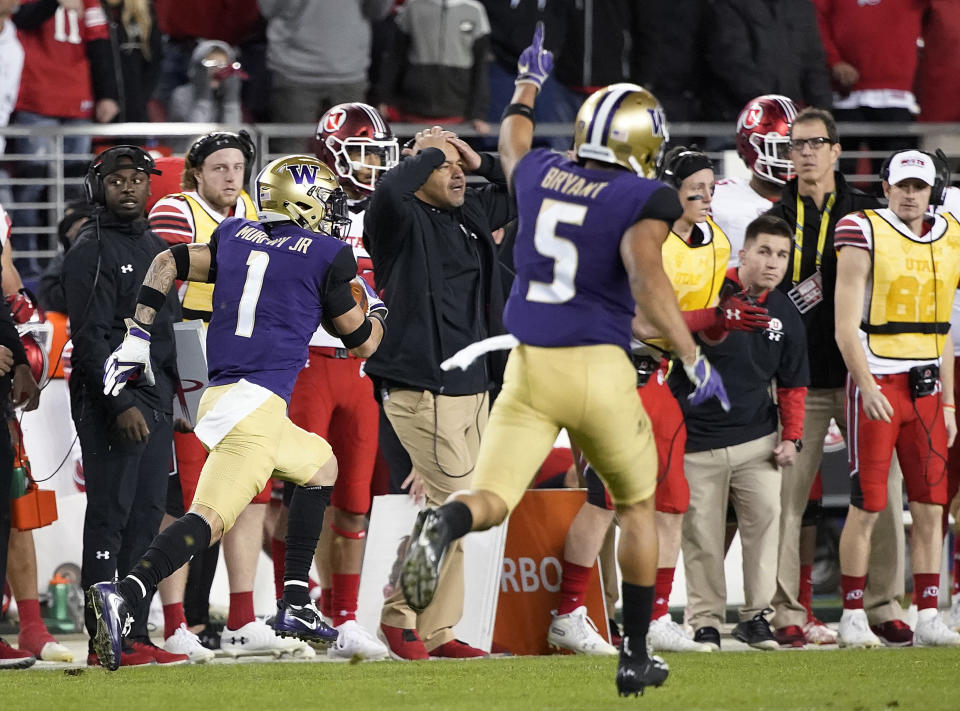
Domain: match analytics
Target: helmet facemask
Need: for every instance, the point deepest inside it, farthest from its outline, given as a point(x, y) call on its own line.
point(347, 165)
point(773, 163)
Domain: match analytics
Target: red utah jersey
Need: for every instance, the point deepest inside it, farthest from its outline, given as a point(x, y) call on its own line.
point(56, 71)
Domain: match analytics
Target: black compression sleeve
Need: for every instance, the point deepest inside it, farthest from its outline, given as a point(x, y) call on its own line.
point(181, 257)
point(337, 297)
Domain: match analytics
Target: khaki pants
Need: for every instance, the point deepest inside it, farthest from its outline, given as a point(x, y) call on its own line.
point(885, 579)
point(746, 475)
point(441, 434)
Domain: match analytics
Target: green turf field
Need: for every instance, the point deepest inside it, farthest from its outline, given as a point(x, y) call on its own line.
point(924, 679)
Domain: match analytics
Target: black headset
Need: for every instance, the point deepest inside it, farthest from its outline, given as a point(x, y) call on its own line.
point(941, 181)
point(93, 180)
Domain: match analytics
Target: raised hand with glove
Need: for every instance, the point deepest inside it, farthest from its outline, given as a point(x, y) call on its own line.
point(535, 63)
point(130, 358)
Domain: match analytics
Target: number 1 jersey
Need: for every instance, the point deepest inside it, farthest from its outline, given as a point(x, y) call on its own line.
point(571, 287)
point(272, 286)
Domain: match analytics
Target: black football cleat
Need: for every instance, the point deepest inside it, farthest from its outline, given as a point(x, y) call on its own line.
point(636, 673)
point(113, 622)
point(303, 622)
point(421, 566)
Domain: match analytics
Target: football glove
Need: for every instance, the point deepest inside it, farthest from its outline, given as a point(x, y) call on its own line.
point(22, 306)
point(130, 357)
point(707, 383)
point(535, 63)
point(375, 305)
point(740, 314)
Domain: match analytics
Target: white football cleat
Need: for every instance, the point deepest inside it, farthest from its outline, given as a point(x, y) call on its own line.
point(854, 631)
point(55, 652)
point(257, 638)
point(353, 640)
point(183, 641)
point(576, 632)
point(931, 631)
point(665, 635)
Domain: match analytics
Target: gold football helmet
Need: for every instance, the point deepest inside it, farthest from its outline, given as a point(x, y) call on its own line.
point(301, 189)
point(622, 124)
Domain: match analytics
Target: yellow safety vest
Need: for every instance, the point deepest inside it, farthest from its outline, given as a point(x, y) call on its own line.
point(696, 271)
point(913, 288)
point(198, 297)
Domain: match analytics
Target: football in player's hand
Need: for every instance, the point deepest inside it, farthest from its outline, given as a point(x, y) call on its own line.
point(359, 293)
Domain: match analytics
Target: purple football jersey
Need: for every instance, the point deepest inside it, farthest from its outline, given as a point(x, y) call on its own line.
point(571, 287)
point(267, 300)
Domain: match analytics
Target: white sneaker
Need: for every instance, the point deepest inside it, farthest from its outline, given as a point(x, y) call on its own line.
point(55, 652)
point(354, 640)
point(576, 632)
point(258, 638)
point(665, 635)
point(183, 641)
point(854, 631)
point(816, 632)
point(932, 632)
point(952, 616)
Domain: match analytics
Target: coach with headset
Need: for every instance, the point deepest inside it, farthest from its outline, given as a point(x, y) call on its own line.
point(125, 440)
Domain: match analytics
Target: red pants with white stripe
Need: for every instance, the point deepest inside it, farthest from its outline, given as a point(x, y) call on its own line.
point(333, 400)
point(917, 432)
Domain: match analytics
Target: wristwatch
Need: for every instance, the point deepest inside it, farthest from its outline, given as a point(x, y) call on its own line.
point(798, 443)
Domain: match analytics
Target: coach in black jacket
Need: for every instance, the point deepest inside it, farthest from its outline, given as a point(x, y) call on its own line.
point(125, 440)
point(434, 259)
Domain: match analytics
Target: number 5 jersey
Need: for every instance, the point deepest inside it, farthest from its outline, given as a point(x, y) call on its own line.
point(571, 287)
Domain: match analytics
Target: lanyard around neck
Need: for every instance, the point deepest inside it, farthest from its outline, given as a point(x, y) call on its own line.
point(821, 237)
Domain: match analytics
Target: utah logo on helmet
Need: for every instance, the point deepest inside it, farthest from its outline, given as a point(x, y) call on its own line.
point(763, 137)
point(357, 144)
point(623, 124)
point(303, 190)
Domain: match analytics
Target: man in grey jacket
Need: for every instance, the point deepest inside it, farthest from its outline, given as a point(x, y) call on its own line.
point(318, 54)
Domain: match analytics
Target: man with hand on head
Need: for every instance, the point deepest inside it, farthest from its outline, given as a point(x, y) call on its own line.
point(430, 238)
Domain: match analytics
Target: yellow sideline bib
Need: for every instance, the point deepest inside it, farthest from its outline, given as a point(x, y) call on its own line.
point(913, 289)
point(198, 296)
point(696, 271)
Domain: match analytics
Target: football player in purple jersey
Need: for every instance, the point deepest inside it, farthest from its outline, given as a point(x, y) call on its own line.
point(588, 250)
point(275, 281)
